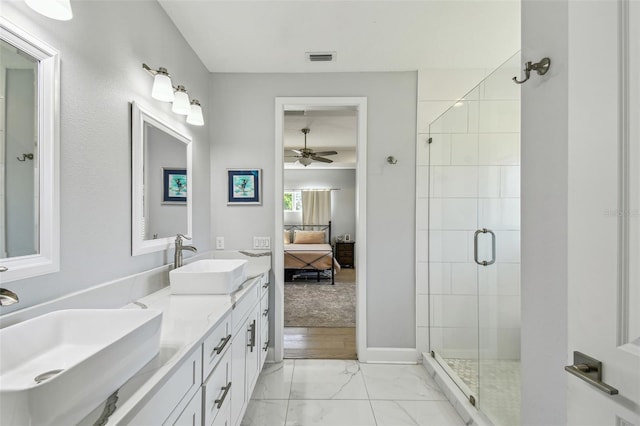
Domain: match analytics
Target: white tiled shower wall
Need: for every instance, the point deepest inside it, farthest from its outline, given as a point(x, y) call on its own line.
point(473, 182)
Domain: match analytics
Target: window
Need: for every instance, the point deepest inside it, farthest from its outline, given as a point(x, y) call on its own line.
point(292, 201)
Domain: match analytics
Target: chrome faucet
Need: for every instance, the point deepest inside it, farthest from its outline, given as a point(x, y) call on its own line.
point(177, 258)
point(7, 297)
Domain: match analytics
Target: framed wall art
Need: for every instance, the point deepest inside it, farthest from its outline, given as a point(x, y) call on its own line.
point(244, 186)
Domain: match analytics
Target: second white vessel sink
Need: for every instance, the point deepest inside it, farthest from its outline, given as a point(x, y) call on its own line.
point(209, 276)
point(56, 368)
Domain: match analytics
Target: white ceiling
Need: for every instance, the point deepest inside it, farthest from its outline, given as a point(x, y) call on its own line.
point(385, 35)
point(388, 35)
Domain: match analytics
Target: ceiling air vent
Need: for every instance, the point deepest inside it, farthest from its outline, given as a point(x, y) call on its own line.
point(321, 56)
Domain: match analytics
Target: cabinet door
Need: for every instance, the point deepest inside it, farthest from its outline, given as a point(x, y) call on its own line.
point(238, 352)
point(192, 414)
point(253, 350)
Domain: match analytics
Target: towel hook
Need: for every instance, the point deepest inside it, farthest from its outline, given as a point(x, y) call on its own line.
point(25, 156)
point(540, 67)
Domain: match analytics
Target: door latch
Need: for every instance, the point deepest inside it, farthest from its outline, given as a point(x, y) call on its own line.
point(590, 370)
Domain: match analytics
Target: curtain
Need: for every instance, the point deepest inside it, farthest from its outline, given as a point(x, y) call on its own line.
point(316, 207)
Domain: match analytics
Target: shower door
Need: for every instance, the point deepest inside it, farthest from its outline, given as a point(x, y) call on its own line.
point(474, 244)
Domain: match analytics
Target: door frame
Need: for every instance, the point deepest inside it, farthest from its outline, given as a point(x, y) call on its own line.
point(292, 103)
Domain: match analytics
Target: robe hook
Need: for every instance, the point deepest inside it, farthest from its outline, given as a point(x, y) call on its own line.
point(540, 67)
point(25, 157)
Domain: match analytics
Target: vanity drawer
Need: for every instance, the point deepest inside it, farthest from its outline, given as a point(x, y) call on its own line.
point(174, 392)
point(215, 345)
point(217, 388)
point(242, 307)
point(264, 308)
point(264, 284)
point(264, 342)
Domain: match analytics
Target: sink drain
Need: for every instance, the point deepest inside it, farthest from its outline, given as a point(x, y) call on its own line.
point(46, 376)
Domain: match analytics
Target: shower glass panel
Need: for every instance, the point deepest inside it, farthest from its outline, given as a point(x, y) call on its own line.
point(474, 244)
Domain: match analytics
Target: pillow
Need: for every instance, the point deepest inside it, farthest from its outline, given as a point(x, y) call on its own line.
point(287, 237)
point(308, 237)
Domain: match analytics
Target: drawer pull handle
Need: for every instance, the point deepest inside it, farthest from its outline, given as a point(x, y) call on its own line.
point(266, 346)
point(265, 285)
point(266, 312)
point(222, 398)
point(223, 342)
point(252, 335)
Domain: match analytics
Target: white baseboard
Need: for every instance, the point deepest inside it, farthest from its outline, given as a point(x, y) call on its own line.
point(389, 355)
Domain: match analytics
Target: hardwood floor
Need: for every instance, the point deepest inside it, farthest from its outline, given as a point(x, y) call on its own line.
point(320, 343)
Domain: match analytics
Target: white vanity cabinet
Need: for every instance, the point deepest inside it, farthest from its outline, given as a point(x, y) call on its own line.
point(212, 385)
point(246, 348)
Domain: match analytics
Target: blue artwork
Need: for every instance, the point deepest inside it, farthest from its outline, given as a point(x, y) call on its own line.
point(244, 186)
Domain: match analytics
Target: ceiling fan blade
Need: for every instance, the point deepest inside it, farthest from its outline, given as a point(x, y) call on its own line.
point(325, 153)
point(296, 151)
point(324, 160)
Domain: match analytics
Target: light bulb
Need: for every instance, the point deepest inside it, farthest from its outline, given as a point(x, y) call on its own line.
point(181, 103)
point(54, 9)
point(162, 87)
point(195, 116)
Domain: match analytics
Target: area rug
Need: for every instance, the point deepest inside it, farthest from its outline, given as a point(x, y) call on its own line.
point(313, 304)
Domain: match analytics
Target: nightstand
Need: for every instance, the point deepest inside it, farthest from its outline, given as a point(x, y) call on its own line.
point(345, 253)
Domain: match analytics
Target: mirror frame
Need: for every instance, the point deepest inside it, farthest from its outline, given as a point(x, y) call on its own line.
point(139, 116)
point(47, 260)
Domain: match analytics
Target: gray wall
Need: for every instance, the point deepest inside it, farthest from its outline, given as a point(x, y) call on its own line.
point(102, 50)
point(343, 200)
point(544, 215)
point(242, 136)
point(19, 175)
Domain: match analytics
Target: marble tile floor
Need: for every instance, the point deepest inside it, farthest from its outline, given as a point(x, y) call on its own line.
point(347, 393)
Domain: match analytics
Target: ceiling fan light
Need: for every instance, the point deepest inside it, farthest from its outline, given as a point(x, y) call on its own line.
point(181, 104)
point(54, 9)
point(195, 116)
point(305, 161)
point(162, 87)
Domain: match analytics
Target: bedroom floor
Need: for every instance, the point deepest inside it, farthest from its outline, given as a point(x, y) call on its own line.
point(320, 342)
point(320, 319)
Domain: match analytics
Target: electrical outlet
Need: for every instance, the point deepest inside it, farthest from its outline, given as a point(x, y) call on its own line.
point(219, 243)
point(261, 243)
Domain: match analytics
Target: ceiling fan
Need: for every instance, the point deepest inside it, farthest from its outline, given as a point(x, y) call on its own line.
point(306, 155)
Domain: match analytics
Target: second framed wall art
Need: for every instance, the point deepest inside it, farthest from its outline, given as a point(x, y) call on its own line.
point(244, 187)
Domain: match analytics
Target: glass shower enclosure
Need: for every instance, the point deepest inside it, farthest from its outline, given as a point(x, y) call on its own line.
point(474, 244)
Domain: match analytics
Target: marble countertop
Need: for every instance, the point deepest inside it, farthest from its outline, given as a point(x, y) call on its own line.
point(186, 321)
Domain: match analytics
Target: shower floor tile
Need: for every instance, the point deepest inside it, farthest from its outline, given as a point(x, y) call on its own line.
point(499, 394)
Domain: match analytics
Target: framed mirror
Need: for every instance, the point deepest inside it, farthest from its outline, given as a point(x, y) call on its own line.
point(161, 182)
point(29, 152)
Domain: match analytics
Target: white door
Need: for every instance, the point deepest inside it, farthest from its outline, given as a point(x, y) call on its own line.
point(603, 223)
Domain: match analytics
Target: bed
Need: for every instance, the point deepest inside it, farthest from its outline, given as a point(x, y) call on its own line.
point(308, 248)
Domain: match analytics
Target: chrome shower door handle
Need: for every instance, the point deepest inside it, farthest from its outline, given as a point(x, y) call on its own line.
point(493, 247)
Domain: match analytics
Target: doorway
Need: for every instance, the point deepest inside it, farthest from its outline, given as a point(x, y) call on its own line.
point(338, 335)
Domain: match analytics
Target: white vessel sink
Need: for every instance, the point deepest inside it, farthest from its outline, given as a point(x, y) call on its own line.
point(210, 276)
point(79, 357)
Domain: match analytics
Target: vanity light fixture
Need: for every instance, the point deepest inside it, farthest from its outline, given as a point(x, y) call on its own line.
point(181, 104)
point(54, 9)
point(163, 90)
point(162, 87)
point(195, 116)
